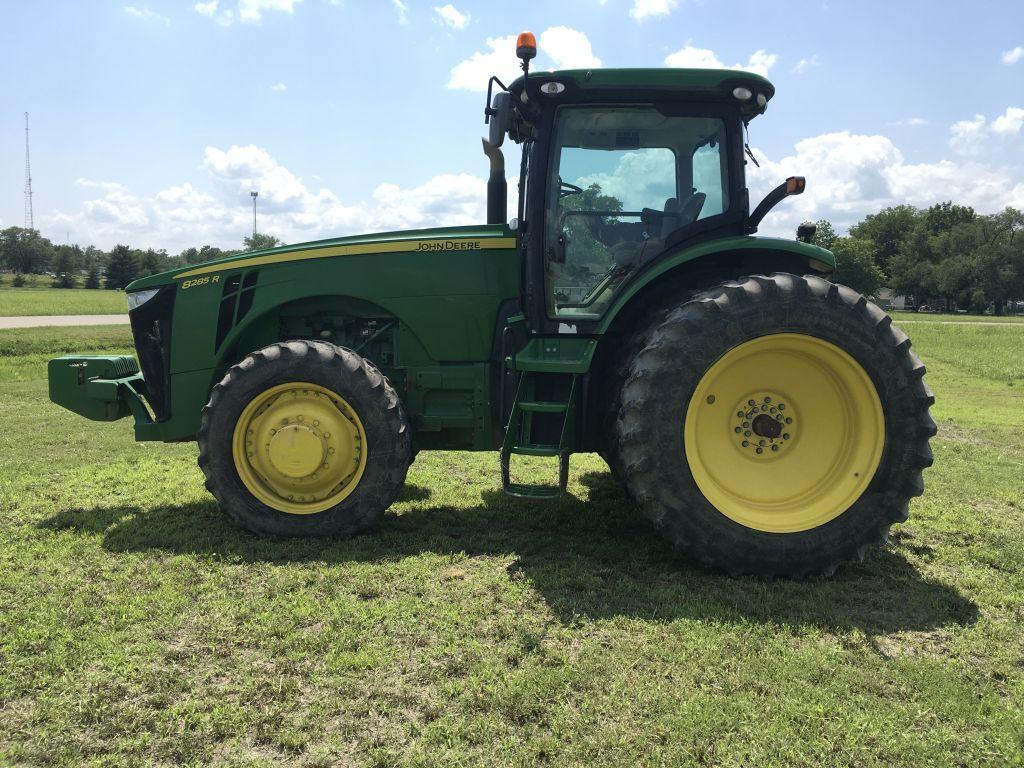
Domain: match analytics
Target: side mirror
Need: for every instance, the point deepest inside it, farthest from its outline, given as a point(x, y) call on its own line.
point(806, 231)
point(498, 115)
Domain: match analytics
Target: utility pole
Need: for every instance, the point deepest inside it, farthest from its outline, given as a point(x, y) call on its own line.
point(254, 195)
point(29, 218)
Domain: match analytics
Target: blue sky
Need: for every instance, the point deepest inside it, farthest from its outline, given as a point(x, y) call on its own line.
point(151, 119)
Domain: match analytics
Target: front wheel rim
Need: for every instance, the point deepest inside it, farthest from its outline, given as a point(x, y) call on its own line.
point(784, 433)
point(299, 448)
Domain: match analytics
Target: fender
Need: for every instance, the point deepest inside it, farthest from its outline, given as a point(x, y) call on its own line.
point(817, 259)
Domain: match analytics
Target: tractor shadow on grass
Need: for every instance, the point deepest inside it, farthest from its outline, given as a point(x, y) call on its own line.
point(593, 559)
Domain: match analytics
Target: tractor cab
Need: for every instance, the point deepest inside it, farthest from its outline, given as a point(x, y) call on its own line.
point(620, 168)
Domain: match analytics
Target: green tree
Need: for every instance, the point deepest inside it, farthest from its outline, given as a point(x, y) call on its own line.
point(25, 250)
point(260, 241)
point(944, 217)
point(122, 267)
point(887, 229)
point(855, 264)
point(92, 276)
point(152, 262)
point(825, 234)
point(66, 263)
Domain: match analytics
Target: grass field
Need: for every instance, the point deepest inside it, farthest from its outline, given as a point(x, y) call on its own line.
point(60, 301)
point(138, 627)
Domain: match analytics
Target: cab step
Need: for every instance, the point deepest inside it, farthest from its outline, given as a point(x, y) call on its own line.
point(519, 440)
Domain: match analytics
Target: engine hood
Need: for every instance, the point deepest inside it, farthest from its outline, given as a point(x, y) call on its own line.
point(382, 243)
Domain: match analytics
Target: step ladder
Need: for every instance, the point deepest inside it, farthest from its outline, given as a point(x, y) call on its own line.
point(519, 440)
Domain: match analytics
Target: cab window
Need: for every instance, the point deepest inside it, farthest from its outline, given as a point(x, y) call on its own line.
point(622, 180)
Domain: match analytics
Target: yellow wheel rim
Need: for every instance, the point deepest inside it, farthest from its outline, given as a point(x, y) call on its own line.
point(784, 433)
point(299, 448)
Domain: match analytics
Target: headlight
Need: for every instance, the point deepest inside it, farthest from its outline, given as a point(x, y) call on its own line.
point(137, 298)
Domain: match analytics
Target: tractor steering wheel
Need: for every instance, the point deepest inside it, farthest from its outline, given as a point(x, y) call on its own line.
point(565, 188)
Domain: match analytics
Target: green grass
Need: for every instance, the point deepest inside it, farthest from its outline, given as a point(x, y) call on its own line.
point(16, 302)
point(920, 317)
point(138, 627)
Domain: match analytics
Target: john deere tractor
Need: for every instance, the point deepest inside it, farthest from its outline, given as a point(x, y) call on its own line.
point(765, 419)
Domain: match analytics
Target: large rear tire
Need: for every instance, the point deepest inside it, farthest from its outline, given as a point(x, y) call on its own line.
point(304, 438)
point(775, 426)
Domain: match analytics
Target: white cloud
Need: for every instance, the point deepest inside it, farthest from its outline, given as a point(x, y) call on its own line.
point(568, 48)
point(279, 87)
point(976, 136)
point(850, 175)
point(146, 14)
point(644, 9)
point(1010, 122)
point(1013, 55)
point(558, 48)
point(911, 122)
point(804, 65)
point(218, 211)
point(689, 56)
point(472, 74)
point(449, 16)
point(402, 8)
point(249, 11)
point(968, 136)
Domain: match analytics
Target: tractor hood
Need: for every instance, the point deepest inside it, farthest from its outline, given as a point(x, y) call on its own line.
point(382, 243)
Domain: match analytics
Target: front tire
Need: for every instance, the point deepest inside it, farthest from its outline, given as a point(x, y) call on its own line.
point(304, 438)
point(775, 426)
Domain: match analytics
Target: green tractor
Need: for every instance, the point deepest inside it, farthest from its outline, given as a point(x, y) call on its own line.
point(765, 420)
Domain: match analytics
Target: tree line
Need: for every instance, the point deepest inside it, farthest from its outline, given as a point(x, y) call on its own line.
point(26, 252)
point(947, 256)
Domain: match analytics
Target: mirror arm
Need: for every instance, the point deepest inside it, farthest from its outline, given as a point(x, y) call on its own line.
point(794, 185)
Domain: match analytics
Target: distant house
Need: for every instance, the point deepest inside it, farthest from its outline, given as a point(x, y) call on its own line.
point(887, 299)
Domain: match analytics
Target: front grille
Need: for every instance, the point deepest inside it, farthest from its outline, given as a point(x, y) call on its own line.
point(151, 327)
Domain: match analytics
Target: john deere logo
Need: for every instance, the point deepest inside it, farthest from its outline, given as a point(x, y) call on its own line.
point(449, 245)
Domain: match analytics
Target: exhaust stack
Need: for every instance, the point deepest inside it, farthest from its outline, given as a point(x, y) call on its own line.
point(497, 187)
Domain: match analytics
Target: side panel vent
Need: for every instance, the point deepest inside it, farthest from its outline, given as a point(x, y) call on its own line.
point(238, 294)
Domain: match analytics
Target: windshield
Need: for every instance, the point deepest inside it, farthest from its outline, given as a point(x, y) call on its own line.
point(622, 180)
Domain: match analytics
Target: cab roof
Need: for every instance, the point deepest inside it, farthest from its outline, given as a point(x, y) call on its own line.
point(696, 84)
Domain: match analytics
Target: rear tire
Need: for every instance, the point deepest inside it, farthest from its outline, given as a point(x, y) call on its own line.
point(726, 506)
point(304, 438)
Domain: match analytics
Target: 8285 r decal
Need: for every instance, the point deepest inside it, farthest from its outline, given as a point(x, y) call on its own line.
point(200, 281)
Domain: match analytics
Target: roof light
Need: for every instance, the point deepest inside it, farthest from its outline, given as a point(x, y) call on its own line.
point(552, 88)
point(741, 93)
point(526, 46)
point(761, 100)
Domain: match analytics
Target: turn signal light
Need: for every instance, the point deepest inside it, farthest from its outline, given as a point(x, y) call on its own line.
point(795, 185)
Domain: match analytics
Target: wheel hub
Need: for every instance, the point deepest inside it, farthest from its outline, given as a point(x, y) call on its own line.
point(299, 448)
point(764, 424)
point(296, 450)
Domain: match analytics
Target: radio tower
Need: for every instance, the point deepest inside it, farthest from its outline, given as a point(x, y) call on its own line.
point(29, 219)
